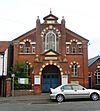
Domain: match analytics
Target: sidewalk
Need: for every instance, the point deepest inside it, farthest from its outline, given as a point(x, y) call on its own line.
point(33, 99)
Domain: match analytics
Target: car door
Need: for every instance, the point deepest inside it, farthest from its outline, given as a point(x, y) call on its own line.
point(67, 91)
point(79, 91)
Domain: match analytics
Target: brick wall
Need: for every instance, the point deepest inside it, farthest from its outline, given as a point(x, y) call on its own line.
point(92, 71)
point(23, 92)
point(8, 87)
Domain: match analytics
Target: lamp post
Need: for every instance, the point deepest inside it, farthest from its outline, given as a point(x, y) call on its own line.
point(13, 76)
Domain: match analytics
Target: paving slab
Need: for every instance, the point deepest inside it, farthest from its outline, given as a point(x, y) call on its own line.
point(33, 99)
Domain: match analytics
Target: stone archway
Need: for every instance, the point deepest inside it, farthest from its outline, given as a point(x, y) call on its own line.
point(50, 77)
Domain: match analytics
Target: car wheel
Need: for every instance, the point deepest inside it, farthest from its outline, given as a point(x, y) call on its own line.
point(60, 98)
point(94, 96)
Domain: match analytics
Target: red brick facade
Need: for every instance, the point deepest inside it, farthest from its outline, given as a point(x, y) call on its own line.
point(94, 70)
point(8, 87)
point(69, 55)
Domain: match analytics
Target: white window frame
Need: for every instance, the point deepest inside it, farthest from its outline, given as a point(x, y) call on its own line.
point(67, 50)
point(27, 50)
point(20, 48)
point(49, 41)
point(75, 70)
point(98, 77)
point(74, 50)
point(33, 49)
point(80, 49)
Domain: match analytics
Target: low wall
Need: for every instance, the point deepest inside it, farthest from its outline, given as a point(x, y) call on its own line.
point(23, 92)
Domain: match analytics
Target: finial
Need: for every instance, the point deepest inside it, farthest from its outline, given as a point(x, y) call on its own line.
point(38, 20)
point(63, 20)
point(62, 17)
point(37, 17)
point(50, 11)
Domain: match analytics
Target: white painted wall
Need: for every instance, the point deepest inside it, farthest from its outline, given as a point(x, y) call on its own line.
point(5, 63)
point(1, 66)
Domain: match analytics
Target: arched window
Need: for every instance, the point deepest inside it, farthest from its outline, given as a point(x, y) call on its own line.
point(27, 47)
point(73, 47)
point(75, 70)
point(50, 41)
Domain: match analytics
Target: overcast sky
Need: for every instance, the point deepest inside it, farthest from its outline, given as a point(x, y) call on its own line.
point(82, 17)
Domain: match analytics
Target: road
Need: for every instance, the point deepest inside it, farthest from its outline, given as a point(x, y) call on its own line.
point(72, 105)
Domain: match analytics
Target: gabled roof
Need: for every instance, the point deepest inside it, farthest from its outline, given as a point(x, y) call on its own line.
point(4, 45)
point(50, 17)
point(25, 34)
point(92, 60)
point(76, 35)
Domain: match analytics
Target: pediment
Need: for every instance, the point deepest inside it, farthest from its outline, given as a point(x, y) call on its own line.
point(51, 53)
point(50, 17)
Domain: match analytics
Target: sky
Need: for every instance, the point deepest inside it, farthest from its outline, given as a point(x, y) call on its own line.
point(82, 17)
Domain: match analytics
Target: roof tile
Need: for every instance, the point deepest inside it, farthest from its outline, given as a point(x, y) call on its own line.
point(4, 45)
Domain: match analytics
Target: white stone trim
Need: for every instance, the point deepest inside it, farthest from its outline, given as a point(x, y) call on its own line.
point(33, 43)
point(79, 43)
point(68, 43)
point(51, 63)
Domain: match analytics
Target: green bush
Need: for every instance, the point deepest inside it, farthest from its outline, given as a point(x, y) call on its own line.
point(21, 86)
point(20, 70)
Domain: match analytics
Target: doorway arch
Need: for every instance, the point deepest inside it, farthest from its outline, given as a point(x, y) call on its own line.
point(50, 77)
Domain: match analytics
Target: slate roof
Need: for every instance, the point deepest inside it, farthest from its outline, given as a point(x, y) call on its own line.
point(92, 60)
point(4, 45)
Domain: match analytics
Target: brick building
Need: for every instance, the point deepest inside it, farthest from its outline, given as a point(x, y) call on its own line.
point(94, 71)
point(54, 55)
point(4, 81)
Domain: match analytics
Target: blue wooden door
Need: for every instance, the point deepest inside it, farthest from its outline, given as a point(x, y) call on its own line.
point(50, 80)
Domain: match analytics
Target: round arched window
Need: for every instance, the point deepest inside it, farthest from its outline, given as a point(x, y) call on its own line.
point(50, 41)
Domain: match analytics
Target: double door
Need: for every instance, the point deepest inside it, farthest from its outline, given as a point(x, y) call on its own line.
point(50, 80)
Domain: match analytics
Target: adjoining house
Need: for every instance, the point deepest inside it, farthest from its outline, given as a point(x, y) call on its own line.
point(53, 54)
point(4, 64)
point(94, 72)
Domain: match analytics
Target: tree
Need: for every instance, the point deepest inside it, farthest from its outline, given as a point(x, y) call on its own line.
point(21, 71)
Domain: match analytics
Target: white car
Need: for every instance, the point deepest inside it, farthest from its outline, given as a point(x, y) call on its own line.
point(72, 91)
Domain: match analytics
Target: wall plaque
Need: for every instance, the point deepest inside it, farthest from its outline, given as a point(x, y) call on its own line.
point(37, 79)
point(64, 79)
point(50, 58)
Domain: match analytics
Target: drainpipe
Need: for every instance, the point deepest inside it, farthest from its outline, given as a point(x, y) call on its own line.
point(3, 89)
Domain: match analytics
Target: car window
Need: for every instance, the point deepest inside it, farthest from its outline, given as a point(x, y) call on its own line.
point(66, 87)
point(77, 87)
